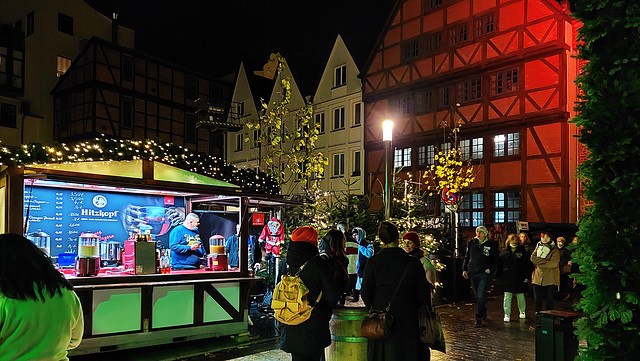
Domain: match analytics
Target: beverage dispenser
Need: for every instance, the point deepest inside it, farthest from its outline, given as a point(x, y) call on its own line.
point(110, 253)
point(217, 258)
point(88, 262)
point(42, 240)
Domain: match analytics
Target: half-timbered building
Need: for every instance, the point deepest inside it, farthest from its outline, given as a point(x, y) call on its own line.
point(505, 69)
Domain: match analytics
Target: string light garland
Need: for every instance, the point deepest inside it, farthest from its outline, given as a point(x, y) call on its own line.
point(155, 150)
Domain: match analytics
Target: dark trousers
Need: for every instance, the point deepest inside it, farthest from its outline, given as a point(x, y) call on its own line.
point(479, 282)
point(301, 357)
point(548, 291)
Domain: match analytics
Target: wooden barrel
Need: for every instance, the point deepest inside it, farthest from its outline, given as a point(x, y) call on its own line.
point(346, 342)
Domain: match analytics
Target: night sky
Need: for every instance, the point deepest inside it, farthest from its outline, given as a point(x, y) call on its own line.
point(213, 36)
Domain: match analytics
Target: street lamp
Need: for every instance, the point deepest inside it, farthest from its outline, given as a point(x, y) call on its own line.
point(387, 143)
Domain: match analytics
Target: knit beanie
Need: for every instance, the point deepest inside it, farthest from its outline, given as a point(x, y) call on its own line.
point(305, 234)
point(413, 237)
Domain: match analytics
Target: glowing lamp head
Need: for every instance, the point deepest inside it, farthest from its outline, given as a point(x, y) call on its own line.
point(387, 130)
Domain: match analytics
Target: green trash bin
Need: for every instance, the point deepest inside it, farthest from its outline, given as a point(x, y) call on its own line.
point(555, 338)
point(346, 342)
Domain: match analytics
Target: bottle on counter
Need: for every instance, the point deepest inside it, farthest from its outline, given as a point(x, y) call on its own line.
point(165, 262)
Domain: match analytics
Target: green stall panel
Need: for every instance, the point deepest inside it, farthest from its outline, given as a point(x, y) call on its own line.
point(172, 306)
point(116, 310)
point(213, 311)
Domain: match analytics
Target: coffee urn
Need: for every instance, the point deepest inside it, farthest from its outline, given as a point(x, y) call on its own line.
point(217, 257)
point(110, 253)
point(88, 262)
point(42, 240)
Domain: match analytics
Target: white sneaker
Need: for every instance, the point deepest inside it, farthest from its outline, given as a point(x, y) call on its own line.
point(507, 318)
point(523, 315)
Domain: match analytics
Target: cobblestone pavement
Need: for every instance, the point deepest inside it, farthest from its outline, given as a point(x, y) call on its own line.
point(498, 341)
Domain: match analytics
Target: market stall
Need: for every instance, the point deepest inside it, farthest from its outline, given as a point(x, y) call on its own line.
point(69, 208)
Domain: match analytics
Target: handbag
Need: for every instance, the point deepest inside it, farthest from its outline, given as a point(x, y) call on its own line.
point(377, 324)
point(431, 328)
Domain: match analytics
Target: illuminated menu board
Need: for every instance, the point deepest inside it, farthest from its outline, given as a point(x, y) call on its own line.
point(64, 214)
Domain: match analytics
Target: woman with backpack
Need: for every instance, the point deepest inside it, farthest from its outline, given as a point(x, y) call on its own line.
point(307, 340)
point(332, 248)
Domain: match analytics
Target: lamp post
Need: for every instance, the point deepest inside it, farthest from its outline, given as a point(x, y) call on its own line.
point(387, 143)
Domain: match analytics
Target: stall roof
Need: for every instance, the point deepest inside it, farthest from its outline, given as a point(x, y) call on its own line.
point(134, 169)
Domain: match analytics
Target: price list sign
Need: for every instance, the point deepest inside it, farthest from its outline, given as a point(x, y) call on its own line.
point(64, 214)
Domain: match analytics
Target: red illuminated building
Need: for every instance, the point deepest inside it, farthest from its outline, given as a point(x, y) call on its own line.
point(506, 70)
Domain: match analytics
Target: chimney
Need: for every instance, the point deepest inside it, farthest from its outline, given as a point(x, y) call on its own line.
point(114, 28)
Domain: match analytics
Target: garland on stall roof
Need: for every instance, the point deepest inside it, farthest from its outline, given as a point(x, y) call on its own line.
point(115, 150)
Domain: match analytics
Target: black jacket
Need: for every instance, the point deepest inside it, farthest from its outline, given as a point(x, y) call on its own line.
point(381, 277)
point(515, 268)
point(479, 257)
point(311, 336)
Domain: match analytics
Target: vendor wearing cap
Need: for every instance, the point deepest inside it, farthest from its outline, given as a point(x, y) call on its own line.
point(480, 263)
point(186, 247)
point(308, 340)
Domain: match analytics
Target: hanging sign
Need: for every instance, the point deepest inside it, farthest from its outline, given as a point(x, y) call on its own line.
point(449, 197)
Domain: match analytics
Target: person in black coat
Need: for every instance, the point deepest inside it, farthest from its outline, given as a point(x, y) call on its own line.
point(514, 273)
point(381, 276)
point(308, 340)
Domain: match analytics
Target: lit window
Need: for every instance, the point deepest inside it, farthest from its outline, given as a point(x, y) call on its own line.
point(471, 209)
point(402, 157)
point(471, 148)
point(506, 207)
point(506, 144)
point(62, 65)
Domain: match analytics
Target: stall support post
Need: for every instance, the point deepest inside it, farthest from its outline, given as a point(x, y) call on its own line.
point(244, 235)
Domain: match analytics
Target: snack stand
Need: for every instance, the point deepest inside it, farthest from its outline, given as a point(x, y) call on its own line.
point(124, 309)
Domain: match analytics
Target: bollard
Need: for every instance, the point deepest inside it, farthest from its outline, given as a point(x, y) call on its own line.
point(346, 342)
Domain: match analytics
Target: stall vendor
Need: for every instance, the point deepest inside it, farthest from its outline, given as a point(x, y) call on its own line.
point(186, 247)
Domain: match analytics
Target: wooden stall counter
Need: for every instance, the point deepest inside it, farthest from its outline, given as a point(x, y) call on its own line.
point(123, 311)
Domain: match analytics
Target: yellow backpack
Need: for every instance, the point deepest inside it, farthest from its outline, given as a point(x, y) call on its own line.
point(290, 300)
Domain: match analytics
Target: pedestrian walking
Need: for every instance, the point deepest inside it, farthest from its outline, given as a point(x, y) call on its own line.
point(365, 251)
point(546, 275)
point(307, 340)
point(381, 276)
point(480, 263)
point(514, 274)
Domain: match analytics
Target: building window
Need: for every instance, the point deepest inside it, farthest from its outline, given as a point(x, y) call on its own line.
point(483, 25)
point(190, 128)
point(357, 114)
point(446, 147)
point(468, 90)
point(471, 210)
point(423, 101)
point(506, 207)
point(505, 81)
point(432, 42)
point(8, 114)
point(338, 165)
point(506, 144)
point(240, 109)
point(431, 154)
point(30, 23)
point(3, 65)
point(65, 24)
point(62, 65)
point(430, 4)
point(340, 76)
point(338, 118)
point(471, 148)
point(404, 105)
point(402, 157)
point(18, 25)
point(357, 163)
point(126, 113)
point(410, 49)
point(256, 137)
point(320, 122)
point(239, 141)
point(127, 68)
point(458, 34)
point(444, 97)
point(192, 87)
point(16, 79)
